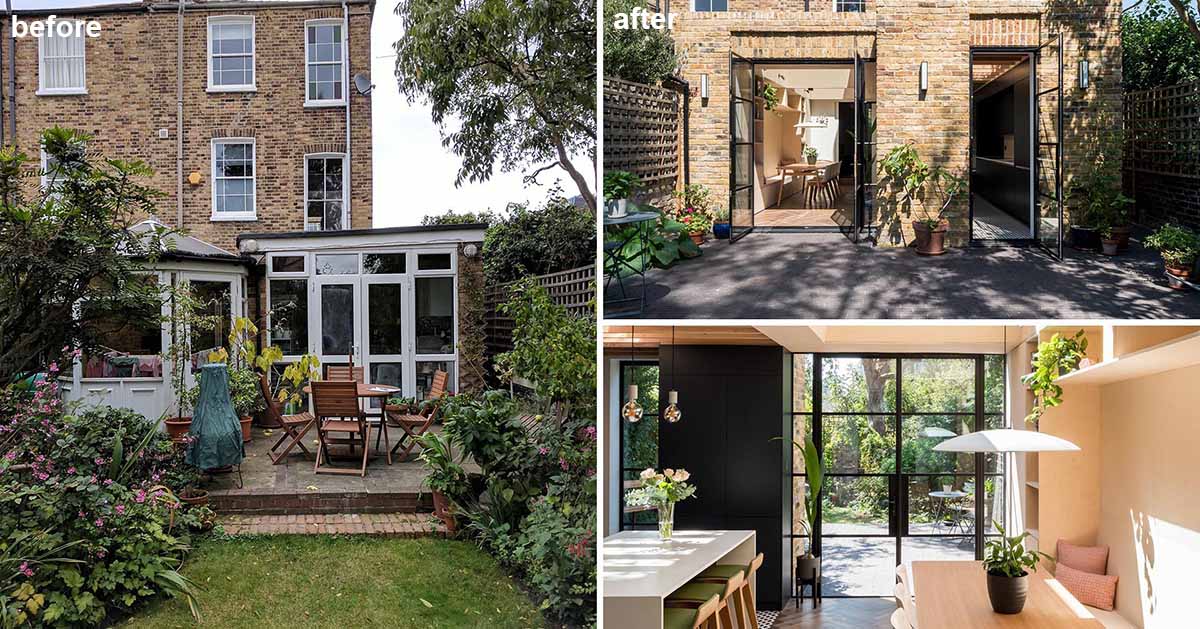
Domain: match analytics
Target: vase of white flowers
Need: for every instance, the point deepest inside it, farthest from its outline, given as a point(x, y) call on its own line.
point(662, 491)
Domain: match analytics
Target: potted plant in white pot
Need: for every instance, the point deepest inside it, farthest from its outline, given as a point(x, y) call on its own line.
point(618, 188)
point(1179, 248)
point(909, 179)
point(810, 154)
point(662, 491)
point(1008, 564)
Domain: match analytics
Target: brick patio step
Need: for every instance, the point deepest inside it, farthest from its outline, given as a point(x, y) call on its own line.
point(250, 501)
point(409, 525)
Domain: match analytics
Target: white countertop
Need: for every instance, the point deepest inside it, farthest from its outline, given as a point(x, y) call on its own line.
point(638, 564)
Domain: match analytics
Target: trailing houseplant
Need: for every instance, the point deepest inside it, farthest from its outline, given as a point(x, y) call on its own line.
point(1178, 247)
point(662, 491)
point(1055, 357)
point(618, 188)
point(908, 176)
point(770, 96)
point(1008, 564)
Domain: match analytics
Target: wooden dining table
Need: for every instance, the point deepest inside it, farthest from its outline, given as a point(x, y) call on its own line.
point(801, 170)
point(370, 391)
point(953, 595)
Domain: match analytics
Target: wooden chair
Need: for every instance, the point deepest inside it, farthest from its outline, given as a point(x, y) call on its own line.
point(906, 603)
point(695, 593)
point(824, 185)
point(899, 620)
point(743, 602)
point(416, 425)
point(335, 403)
point(703, 617)
point(294, 426)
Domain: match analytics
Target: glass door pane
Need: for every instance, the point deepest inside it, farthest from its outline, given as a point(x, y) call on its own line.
point(385, 354)
point(1048, 230)
point(741, 146)
point(337, 305)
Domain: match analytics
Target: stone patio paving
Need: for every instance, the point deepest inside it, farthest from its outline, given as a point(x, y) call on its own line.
point(773, 275)
point(377, 524)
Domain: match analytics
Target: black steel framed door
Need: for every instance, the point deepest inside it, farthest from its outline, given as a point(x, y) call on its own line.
point(1048, 227)
point(741, 147)
point(864, 147)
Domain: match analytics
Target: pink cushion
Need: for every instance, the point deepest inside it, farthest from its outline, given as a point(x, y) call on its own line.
point(1096, 590)
point(1093, 559)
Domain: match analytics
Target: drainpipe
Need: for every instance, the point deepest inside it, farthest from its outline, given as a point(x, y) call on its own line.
point(179, 117)
point(12, 76)
point(346, 90)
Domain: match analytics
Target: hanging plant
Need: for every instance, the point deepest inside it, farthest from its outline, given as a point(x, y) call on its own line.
point(770, 96)
point(1058, 356)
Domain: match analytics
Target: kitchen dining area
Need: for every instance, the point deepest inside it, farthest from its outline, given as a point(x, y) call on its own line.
point(856, 476)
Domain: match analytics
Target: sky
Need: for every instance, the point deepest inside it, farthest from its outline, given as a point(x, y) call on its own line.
point(413, 173)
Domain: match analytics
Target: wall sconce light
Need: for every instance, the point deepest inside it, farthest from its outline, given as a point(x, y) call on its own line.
point(1085, 78)
point(924, 76)
point(703, 86)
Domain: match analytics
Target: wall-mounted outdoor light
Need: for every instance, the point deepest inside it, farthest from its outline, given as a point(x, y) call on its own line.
point(924, 76)
point(703, 86)
point(1085, 78)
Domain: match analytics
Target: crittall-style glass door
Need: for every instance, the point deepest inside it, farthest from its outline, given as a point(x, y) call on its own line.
point(1048, 228)
point(741, 147)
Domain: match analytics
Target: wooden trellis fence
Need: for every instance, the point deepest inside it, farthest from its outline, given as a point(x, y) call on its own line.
point(1162, 131)
point(573, 289)
point(642, 135)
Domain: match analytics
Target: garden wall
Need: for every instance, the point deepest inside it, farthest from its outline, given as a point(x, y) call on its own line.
point(574, 289)
point(643, 135)
point(1162, 154)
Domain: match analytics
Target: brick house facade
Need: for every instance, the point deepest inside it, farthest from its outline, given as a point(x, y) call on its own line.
point(897, 35)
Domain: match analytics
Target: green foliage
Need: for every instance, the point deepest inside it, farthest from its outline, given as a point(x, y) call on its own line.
point(1178, 246)
point(460, 218)
point(770, 96)
point(1157, 49)
point(1058, 356)
point(693, 208)
point(906, 172)
point(554, 237)
point(665, 244)
point(508, 83)
point(243, 392)
point(1006, 556)
point(640, 55)
point(1094, 195)
point(660, 489)
point(69, 246)
point(810, 152)
point(187, 316)
point(445, 471)
point(619, 184)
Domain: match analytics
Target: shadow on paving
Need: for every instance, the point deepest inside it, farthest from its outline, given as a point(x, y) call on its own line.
point(825, 276)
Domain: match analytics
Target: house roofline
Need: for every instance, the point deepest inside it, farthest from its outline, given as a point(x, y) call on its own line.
point(375, 231)
point(189, 5)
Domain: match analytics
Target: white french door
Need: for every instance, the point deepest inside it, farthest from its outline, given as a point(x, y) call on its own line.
point(387, 323)
point(334, 320)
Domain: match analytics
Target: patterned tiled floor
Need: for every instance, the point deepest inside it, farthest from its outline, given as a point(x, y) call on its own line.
point(381, 524)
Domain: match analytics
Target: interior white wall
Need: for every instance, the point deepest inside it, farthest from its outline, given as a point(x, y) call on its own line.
point(824, 139)
point(780, 142)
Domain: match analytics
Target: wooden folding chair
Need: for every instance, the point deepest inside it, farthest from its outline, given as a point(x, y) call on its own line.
point(294, 426)
point(335, 403)
point(415, 425)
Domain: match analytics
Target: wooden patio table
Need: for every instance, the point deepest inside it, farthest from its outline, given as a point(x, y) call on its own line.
point(799, 169)
point(953, 595)
point(371, 391)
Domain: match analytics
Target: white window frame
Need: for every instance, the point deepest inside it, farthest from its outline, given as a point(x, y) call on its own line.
point(308, 64)
point(59, 91)
point(345, 188)
point(45, 178)
point(252, 215)
point(233, 19)
point(695, 10)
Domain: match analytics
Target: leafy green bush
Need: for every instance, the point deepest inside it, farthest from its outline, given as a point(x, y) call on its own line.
point(87, 507)
point(1178, 246)
point(666, 243)
point(640, 55)
point(619, 184)
point(533, 241)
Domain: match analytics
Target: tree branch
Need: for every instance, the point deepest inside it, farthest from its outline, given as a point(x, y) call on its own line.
point(1184, 14)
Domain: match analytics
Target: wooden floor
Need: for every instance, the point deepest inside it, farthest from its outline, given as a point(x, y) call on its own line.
point(794, 211)
point(839, 613)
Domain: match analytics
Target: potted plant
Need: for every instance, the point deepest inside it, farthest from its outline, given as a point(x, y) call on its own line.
point(618, 187)
point(185, 320)
point(693, 208)
point(1110, 240)
point(662, 491)
point(810, 154)
point(246, 397)
point(770, 96)
point(906, 174)
point(1179, 248)
point(446, 478)
point(1055, 357)
point(809, 563)
point(1099, 209)
point(1008, 564)
point(721, 227)
point(400, 406)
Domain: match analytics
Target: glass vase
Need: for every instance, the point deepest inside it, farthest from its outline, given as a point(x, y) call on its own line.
point(666, 521)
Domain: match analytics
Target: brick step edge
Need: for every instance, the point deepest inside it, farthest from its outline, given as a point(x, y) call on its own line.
point(398, 525)
point(234, 502)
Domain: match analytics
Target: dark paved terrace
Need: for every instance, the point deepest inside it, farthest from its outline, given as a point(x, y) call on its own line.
point(825, 276)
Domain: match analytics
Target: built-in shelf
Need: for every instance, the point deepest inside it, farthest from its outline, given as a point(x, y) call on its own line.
point(1173, 354)
point(1032, 484)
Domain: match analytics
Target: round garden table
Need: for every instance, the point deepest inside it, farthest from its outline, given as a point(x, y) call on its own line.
point(942, 497)
point(616, 263)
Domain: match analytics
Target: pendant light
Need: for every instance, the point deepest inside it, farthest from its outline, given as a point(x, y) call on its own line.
point(632, 411)
point(672, 413)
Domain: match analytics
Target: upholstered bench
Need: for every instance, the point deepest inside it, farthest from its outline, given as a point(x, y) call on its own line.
point(1112, 619)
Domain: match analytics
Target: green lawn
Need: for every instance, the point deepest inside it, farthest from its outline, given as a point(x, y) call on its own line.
point(294, 581)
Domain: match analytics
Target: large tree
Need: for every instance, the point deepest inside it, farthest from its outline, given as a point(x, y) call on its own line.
point(1158, 47)
point(68, 261)
point(512, 83)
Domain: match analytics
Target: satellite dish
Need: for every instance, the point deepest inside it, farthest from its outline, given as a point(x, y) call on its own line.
point(362, 83)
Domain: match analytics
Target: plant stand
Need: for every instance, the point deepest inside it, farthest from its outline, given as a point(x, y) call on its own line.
point(811, 578)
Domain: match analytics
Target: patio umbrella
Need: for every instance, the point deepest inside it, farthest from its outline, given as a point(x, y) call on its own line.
point(1006, 440)
point(215, 425)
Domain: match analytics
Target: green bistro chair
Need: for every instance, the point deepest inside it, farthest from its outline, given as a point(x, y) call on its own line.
point(743, 600)
point(703, 617)
point(696, 593)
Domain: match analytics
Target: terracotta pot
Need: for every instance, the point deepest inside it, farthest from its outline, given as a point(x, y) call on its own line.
point(246, 428)
point(697, 237)
point(1178, 275)
point(1121, 235)
point(1110, 246)
point(931, 242)
point(178, 427)
point(1007, 594)
point(194, 497)
point(443, 511)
